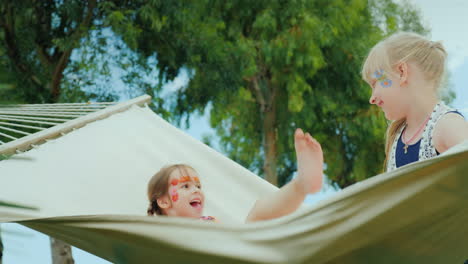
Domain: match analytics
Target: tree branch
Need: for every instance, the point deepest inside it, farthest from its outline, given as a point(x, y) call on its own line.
point(13, 53)
point(273, 88)
point(58, 74)
point(255, 89)
point(45, 59)
point(86, 21)
point(60, 31)
point(43, 27)
point(65, 56)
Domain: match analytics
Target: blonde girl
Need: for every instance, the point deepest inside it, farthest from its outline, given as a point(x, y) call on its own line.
point(405, 72)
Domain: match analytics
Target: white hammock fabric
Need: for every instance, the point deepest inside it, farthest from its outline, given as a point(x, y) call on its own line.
point(90, 186)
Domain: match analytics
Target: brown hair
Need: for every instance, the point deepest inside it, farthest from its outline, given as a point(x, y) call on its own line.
point(428, 55)
point(158, 185)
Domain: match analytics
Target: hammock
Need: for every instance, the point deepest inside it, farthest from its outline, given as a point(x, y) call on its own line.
point(90, 188)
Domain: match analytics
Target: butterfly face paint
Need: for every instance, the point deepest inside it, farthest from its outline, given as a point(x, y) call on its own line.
point(382, 78)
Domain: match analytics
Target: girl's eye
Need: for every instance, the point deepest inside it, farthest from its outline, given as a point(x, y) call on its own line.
point(199, 186)
point(185, 186)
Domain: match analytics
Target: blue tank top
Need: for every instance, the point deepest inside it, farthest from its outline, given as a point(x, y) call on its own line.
point(412, 155)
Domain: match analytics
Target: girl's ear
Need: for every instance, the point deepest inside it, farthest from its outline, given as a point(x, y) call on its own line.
point(164, 202)
point(402, 71)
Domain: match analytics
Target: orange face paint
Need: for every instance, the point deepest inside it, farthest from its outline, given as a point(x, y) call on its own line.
point(174, 182)
point(186, 179)
point(174, 195)
point(386, 83)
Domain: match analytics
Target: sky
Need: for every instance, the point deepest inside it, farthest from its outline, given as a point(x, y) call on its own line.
point(447, 21)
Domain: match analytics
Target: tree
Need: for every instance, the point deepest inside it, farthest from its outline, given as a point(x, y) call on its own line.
point(62, 51)
point(37, 39)
point(267, 67)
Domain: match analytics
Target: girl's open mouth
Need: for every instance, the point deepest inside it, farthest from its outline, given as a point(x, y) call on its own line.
point(196, 203)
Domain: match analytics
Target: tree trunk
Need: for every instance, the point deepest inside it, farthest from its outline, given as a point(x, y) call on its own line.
point(57, 75)
point(269, 144)
point(61, 252)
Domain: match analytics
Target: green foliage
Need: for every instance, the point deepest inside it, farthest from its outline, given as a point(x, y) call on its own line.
point(36, 42)
point(4, 157)
point(65, 51)
point(263, 67)
point(296, 61)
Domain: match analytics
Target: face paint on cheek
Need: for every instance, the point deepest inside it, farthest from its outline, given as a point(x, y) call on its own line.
point(386, 83)
point(378, 74)
point(174, 195)
point(382, 78)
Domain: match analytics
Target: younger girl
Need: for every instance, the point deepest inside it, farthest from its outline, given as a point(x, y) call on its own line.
point(176, 190)
point(405, 72)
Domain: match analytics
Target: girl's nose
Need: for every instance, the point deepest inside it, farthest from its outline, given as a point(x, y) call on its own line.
point(373, 99)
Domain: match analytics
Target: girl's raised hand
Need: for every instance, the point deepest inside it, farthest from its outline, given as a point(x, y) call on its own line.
point(309, 161)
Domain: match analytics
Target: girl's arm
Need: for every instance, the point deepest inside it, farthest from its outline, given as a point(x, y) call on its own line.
point(450, 130)
point(309, 180)
point(279, 203)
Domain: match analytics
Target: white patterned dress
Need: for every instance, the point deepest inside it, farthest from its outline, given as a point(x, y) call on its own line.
point(426, 148)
